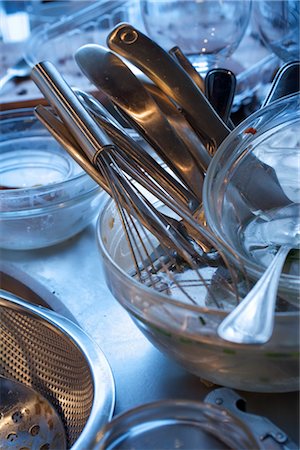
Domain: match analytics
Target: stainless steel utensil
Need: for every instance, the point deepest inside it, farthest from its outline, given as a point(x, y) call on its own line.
point(87, 135)
point(269, 435)
point(110, 74)
point(19, 70)
point(252, 321)
point(180, 124)
point(28, 420)
point(173, 245)
point(137, 153)
point(220, 87)
point(286, 81)
point(187, 66)
point(172, 79)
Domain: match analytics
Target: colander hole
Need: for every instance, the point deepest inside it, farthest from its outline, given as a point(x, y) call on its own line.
point(45, 447)
point(34, 430)
point(24, 448)
point(17, 417)
point(11, 437)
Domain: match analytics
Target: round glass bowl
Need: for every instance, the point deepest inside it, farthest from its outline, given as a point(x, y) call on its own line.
point(252, 190)
point(277, 23)
point(188, 333)
point(207, 31)
point(45, 196)
point(176, 424)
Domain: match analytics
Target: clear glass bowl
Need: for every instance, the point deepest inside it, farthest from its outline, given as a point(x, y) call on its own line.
point(57, 42)
point(277, 23)
point(45, 196)
point(207, 31)
point(188, 333)
point(252, 178)
point(176, 424)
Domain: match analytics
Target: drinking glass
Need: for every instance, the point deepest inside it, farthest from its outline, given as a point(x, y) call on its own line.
point(277, 23)
point(207, 31)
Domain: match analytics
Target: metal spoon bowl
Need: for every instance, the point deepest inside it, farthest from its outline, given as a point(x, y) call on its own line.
point(252, 321)
point(28, 420)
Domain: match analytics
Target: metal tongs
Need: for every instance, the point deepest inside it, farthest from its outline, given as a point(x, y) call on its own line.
point(268, 435)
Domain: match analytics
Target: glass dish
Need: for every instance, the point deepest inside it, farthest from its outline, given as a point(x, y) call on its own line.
point(188, 333)
point(278, 26)
point(207, 31)
point(45, 196)
point(58, 42)
point(251, 180)
point(175, 424)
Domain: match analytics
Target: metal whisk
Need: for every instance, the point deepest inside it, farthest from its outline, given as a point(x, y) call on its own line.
point(155, 208)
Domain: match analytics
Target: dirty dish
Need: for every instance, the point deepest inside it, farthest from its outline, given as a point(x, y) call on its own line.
point(45, 196)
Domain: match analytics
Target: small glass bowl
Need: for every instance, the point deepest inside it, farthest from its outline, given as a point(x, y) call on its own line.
point(176, 424)
point(253, 178)
point(58, 41)
point(187, 332)
point(45, 196)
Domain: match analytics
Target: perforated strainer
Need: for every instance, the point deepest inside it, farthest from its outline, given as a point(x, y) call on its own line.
point(53, 356)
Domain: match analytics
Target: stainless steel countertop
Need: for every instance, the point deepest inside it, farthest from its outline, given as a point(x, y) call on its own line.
point(72, 272)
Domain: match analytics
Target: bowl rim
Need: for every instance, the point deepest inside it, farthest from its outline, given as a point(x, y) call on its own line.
point(159, 296)
point(52, 207)
point(67, 24)
point(279, 106)
point(184, 411)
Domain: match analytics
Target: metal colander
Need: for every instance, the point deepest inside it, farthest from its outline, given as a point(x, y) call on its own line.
point(52, 355)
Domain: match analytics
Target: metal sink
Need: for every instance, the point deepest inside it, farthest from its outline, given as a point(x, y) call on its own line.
point(17, 282)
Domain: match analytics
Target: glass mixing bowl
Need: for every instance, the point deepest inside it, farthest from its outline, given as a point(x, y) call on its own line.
point(251, 192)
point(188, 333)
point(45, 196)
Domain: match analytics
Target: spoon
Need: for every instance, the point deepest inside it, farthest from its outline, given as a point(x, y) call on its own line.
point(252, 321)
point(28, 419)
point(19, 70)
